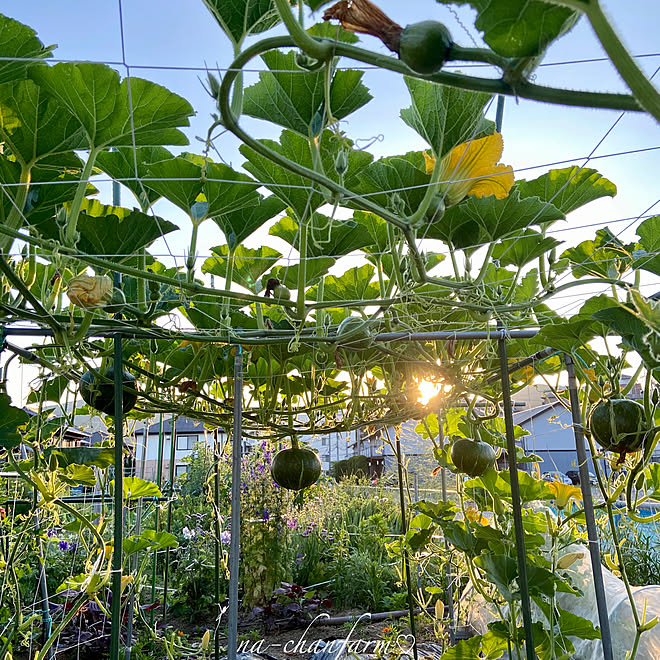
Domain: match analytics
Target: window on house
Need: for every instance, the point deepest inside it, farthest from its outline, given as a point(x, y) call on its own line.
point(186, 442)
point(180, 469)
point(324, 442)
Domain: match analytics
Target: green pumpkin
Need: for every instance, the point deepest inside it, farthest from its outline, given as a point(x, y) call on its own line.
point(100, 394)
point(618, 425)
point(360, 341)
point(472, 457)
point(424, 46)
point(295, 468)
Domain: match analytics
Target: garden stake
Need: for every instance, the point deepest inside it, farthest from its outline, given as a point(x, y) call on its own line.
point(587, 501)
point(115, 623)
point(159, 483)
point(449, 594)
point(404, 529)
point(166, 577)
point(515, 499)
point(234, 547)
point(216, 496)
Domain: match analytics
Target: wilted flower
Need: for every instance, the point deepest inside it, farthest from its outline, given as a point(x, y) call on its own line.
point(90, 291)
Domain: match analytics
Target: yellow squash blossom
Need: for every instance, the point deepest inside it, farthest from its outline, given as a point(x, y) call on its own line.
point(471, 168)
point(564, 493)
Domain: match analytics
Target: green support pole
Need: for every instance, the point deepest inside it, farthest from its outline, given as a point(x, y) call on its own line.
point(115, 623)
point(159, 482)
point(169, 517)
point(216, 496)
point(515, 500)
point(404, 529)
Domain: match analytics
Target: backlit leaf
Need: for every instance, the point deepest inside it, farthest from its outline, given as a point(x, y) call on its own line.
point(248, 265)
point(19, 48)
point(239, 18)
point(11, 420)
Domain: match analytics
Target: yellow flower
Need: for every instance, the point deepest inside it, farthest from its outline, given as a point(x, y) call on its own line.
point(475, 516)
point(471, 168)
point(564, 493)
point(205, 640)
point(569, 559)
point(125, 581)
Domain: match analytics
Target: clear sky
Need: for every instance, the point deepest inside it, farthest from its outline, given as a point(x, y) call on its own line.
point(171, 41)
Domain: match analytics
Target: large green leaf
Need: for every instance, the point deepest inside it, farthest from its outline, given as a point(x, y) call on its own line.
point(638, 324)
point(296, 190)
point(134, 488)
point(99, 456)
point(11, 420)
point(648, 257)
point(325, 236)
point(568, 188)
point(130, 166)
point(395, 177)
point(445, 116)
point(354, 284)
point(228, 191)
point(377, 228)
point(114, 231)
point(519, 28)
point(113, 113)
point(239, 18)
point(315, 269)
point(523, 248)
point(480, 647)
point(20, 49)
point(179, 180)
point(566, 336)
point(34, 126)
point(238, 224)
point(606, 256)
point(479, 220)
point(295, 99)
point(248, 265)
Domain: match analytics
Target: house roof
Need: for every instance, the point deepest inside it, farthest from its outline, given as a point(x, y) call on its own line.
point(525, 415)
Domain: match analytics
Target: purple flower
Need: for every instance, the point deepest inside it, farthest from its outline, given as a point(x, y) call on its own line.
point(51, 533)
point(299, 559)
point(305, 533)
point(64, 546)
point(292, 524)
point(266, 515)
point(225, 538)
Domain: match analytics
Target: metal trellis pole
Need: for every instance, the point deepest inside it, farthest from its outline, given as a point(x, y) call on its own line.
point(216, 497)
point(115, 623)
point(587, 501)
point(234, 548)
point(449, 596)
point(515, 498)
point(166, 577)
point(404, 530)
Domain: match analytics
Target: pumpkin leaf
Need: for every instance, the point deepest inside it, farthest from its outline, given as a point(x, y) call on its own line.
point(178, 180)
point(523, 248)
point(326, 236)
point(11, 420)
point(295, 99)
point(294, 189)
point(20, 49)
point(404, 176)
point(134, 488)
point(445, 116)
point(78, 475)
point(121, 163)
point(648, 257)
point(248, 265)
point(241, 222)
point(519, 28)
point(354, 284)
point(34, 125)
point(315, 269)
point(240, 18)
point(566, 336)
point(605, 257)
point(479, 220)
point(568, 188)
point(111, 116)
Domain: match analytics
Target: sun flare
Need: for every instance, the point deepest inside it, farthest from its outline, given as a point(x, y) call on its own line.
point(427, 390)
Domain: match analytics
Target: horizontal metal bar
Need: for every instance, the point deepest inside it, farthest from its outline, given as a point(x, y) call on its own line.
point(382, 337)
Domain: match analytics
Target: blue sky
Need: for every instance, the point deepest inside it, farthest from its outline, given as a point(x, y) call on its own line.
point(165, 40)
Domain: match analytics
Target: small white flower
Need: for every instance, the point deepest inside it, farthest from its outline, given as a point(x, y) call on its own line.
point(188, 533)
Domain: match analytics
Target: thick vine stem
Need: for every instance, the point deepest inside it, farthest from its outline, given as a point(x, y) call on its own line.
point(642, 88)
